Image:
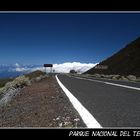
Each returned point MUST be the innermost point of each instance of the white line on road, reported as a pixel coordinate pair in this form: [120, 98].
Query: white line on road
[121, 85]
[109, 83]
[86, 116]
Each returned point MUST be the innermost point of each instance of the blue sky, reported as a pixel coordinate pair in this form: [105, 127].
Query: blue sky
[37, 38]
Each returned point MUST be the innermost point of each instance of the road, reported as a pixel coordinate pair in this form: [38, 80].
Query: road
[112, 103]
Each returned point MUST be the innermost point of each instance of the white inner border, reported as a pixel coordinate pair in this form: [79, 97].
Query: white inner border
[70, 12]
[58, 13]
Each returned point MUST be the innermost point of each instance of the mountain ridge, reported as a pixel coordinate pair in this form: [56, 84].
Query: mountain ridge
[124, 62]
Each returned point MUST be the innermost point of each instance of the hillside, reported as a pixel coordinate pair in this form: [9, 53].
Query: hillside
[36, 100]
[125, 62]
[42, 104]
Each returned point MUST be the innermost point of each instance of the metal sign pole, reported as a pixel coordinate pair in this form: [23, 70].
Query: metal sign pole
[48, 65]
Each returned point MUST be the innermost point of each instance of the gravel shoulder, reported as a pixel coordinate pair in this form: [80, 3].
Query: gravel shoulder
[42, 104]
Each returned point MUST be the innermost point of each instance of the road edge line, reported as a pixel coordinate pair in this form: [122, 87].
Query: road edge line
[119, 85]
[86, 116]
[109, 83]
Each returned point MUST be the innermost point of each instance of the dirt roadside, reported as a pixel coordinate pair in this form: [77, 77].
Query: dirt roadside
[42, 104]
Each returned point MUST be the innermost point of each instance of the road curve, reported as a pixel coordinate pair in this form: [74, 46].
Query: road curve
[110, 104]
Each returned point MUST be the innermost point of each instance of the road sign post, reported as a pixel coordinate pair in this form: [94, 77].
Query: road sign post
[48, 65]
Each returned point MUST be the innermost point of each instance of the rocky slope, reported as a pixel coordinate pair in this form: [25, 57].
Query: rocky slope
[41, 104]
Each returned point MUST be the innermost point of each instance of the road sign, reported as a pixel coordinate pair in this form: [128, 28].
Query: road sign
[48, 65]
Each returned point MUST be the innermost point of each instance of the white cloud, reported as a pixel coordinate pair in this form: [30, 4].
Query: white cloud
[38, 68]
[21, 69]
[17, 65]
[77, 66]
[62, 68]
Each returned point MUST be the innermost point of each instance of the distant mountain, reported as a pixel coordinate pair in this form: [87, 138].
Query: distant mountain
[13, 70]
[125, 62]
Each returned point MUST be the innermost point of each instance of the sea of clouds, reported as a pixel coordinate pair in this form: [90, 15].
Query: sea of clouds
[18, 69]
[60, 68]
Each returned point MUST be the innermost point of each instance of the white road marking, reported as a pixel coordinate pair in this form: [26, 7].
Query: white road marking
[121, 85]
[89, 79]
[86, 116]
[109, 83]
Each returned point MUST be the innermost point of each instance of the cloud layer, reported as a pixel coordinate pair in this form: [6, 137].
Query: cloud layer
[60, 68]
[77, 66]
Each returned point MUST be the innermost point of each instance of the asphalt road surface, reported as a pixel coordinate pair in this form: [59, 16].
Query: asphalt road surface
[112, 103]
